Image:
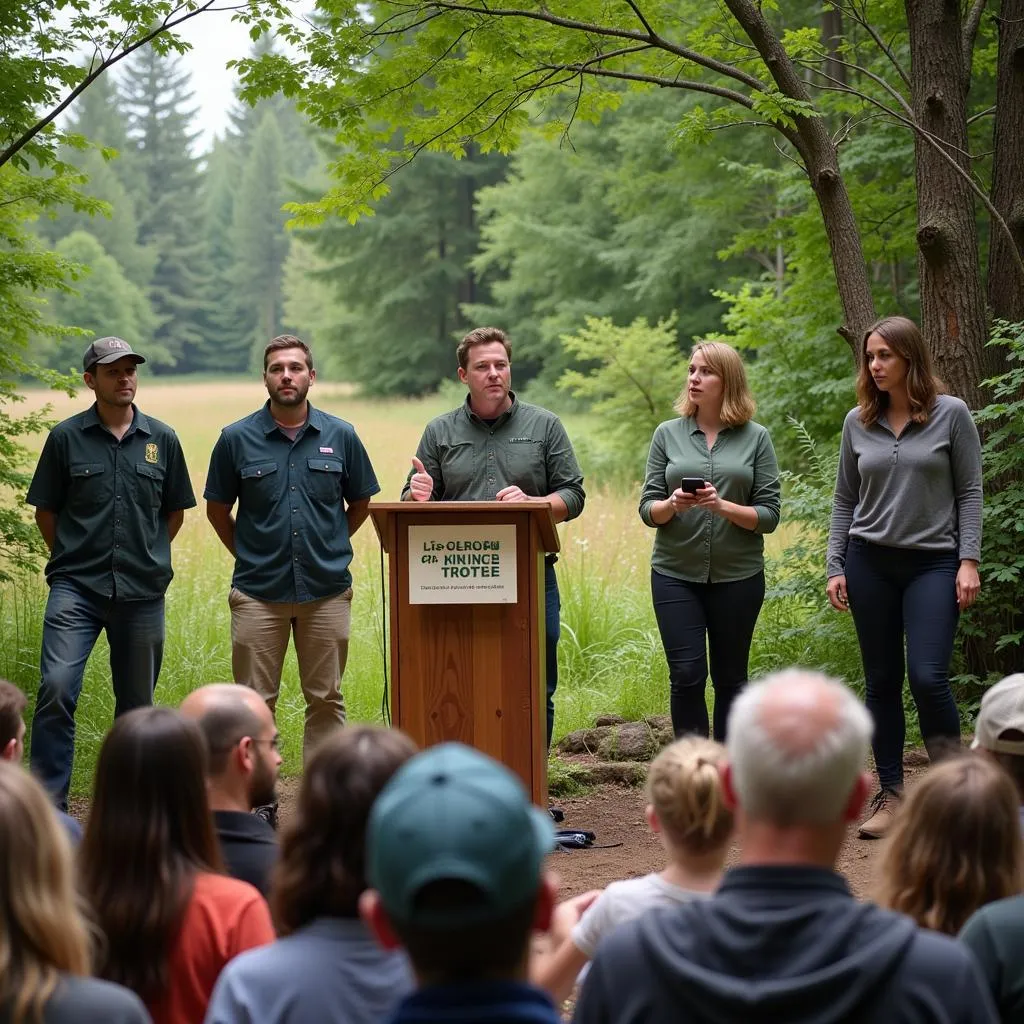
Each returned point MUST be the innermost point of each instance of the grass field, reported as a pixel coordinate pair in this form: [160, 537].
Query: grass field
[610, 655]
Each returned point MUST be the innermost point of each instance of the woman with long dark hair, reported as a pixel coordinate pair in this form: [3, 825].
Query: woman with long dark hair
[326, 967]
[712, 492]
[44, 938]
[150, 869]
[904, 544]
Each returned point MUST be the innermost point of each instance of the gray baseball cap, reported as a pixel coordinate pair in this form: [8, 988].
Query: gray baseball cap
[1002, 709]
[108, 350]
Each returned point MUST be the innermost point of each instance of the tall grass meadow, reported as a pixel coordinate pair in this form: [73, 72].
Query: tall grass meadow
[610, 656]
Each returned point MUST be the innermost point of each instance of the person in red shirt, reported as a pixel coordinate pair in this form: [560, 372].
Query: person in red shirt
[152, 870]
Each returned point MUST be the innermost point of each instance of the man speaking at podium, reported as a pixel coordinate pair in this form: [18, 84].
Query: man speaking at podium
[495, 448]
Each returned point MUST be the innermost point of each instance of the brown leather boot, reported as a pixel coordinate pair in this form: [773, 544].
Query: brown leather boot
[884, 808]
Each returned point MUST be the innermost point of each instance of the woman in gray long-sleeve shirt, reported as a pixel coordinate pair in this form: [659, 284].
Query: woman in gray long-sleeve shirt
[712, 492]
[904, 544]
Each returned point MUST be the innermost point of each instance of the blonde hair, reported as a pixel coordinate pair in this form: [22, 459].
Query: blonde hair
[738, 405]
[955, 846]
[685, 789]
[42, 931]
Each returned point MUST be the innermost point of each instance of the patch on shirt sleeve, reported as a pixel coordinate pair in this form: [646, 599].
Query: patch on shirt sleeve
[152, 453]
[520, 440]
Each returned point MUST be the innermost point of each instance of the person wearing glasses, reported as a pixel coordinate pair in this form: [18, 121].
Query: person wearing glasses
[241, 775]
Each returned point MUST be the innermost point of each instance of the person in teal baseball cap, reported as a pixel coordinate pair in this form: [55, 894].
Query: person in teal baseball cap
[455, 857]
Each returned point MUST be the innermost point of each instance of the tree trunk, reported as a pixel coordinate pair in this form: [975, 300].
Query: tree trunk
[832, 37]
[821, 161]
[1005, 287]
[955, 322]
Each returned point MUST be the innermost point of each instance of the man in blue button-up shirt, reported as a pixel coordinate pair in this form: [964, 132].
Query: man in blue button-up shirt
[303, 483]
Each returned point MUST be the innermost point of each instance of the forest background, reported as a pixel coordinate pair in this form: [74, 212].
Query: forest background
[607, 182]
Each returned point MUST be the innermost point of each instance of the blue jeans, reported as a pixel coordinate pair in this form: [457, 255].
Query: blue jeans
[897, 594]
[693, 619]
[552, 629]
[71, 626]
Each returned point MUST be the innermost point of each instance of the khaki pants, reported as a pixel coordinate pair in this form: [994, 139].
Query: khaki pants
[259, 639]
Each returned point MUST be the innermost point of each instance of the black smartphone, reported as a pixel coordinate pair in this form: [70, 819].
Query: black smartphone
[691, 484]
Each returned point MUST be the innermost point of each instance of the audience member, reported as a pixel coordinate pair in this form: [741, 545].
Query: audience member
[241, 774]
[999, 730]
[327, 967]
[150, 869]
[12, 741]
[783, 939]
[995, 935]
[956, 845]
[687, 810]
[44, 940]
[455, 855]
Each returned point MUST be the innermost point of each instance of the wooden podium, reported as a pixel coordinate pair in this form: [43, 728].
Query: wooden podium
[462, 670]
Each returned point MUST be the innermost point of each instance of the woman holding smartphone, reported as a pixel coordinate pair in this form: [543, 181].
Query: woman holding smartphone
[904, 544]
[711, 491]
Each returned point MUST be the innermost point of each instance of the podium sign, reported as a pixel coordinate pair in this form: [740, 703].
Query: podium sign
[462, 564]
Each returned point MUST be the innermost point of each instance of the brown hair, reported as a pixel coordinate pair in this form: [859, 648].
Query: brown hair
[283, 341]
[149, 834]
[956, 845]
[42, 931]
[322, 868]
[481, 336]
[738, 405]
[903, 336]
[12, 704]
[685, 789]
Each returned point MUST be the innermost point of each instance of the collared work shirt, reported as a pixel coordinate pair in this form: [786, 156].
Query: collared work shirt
[291, 531]
[697, 545]
[526, 446]
[112, 499]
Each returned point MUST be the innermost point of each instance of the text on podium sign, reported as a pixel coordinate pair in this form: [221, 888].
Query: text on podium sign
[462, 565]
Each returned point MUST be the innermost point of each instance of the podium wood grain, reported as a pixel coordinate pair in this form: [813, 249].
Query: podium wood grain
[472, 672]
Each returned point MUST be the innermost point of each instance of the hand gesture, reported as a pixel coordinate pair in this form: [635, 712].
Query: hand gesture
[707, 497]
[512, 493]
[681, 501]
[421, 483]
[837, 594]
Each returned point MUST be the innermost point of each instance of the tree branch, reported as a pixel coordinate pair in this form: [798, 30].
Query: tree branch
[643, 20]
[861, 18]
[971, 25]
[166, 25]
[710, 63]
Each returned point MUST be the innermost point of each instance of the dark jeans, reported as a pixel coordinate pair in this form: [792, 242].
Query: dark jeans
[552, 629]
[896, 593]
[71, 626]
[693, 617]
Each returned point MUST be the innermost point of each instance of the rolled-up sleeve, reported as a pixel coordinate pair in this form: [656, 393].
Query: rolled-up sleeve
[766, 494]
[655, 488]
[564, 475]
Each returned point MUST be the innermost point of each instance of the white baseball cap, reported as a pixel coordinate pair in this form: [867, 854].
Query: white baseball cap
[1002, 708]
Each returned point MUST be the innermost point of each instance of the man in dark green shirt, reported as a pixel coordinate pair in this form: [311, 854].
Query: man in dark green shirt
[495, 448]
[110, 492]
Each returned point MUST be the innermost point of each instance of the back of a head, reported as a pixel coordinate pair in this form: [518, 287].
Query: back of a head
[685, 788]
[12, 707]
[149, 832]
[455, 851]
[225, 713]
[42, 932]
[797, 743]
[322, 868]
[956, 845]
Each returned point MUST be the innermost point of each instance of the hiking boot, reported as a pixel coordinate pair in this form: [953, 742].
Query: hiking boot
[884, 807]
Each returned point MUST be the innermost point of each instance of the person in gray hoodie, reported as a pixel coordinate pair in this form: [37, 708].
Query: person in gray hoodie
[784, 939]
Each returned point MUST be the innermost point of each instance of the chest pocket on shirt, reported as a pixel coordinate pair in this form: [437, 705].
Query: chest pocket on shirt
[149, 484]
[457, 462]
[88, 488]
[258, 488]
[524, 462]
[325, 476]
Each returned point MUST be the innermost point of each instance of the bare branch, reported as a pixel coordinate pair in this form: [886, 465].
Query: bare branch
[971, 25]
[987, 112]
[859, 15]
[643, 20]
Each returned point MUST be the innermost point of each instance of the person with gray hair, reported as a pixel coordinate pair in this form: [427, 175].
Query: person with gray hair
[783, 938]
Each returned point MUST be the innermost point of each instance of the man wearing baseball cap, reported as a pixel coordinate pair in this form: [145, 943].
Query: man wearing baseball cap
[455, 859]
[999, 730]
[110, 491]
